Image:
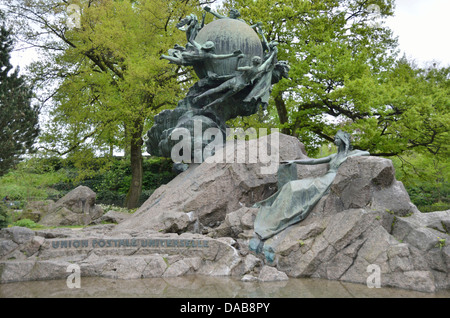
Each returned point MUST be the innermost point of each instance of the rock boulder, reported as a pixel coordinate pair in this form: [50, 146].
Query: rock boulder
[204, 194]
[346, 245]
[364, 230]
[76, 208]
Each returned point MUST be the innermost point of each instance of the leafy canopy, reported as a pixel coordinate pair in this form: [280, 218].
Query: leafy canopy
[18, 118]
[102, 57]
[346, 74]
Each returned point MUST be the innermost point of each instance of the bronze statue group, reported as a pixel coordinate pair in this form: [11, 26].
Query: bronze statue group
[259, 73]
[295, 197]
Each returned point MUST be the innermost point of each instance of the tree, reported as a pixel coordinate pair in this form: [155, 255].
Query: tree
[18, 118]
[110, 80]
[426, 178]
[345, 74]
[327, 44]
[411, 112]
[3, 216]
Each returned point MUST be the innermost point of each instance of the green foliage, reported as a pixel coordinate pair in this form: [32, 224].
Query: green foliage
[18, 119]
[110, 77]
[30, 182]
[412, 113]
[27, 223]
[441, 243]
[52, 178]
[328, 44]
[113, 180]
[426, 179]
[345, 74]
[4, 217]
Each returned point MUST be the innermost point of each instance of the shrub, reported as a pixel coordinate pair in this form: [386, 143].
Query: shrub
[26, 223]
[22, 185]
[38, 179]
[4, 217]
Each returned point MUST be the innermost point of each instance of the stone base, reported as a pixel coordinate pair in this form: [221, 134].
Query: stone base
[361, 245]
[365, 230]
[28, 255]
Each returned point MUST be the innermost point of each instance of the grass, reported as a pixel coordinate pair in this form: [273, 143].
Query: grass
[20, 185]
[28, 223]
[441, 243]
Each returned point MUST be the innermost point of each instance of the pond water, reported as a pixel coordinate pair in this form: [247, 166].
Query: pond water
[204, 287]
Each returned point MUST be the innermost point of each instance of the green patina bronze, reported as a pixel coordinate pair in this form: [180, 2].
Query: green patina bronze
[236, 69]
[228, 35]
[295, 197]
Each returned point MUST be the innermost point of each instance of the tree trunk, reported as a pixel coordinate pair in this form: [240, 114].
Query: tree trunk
[282, 112]
[135, 190]
[126, 146]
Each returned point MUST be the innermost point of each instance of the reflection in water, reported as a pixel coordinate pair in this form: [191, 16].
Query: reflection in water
[204, 287]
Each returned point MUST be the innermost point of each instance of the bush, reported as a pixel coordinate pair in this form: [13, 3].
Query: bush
[111, 184]
[429, 196]
[51, 178]
[426, 179]
[26, 223]
[439, 206]
[21, 184]
[109, 197]
[4, 217]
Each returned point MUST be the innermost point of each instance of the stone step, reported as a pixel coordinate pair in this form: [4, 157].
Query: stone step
[162, 255]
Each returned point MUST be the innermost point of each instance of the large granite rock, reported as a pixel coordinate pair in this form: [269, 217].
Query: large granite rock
[364, 223]
[211, 196]
[365, 219]
[76, 208]
[366, 182]
[203, 195]
[343, 246]
[34, 210]
[99, 255]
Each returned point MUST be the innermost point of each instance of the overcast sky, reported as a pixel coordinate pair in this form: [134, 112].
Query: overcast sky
[422, 27]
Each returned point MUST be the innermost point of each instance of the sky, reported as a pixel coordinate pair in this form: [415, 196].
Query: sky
[422, 27]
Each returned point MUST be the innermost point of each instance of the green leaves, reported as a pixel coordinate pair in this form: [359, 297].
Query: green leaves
[108, 76]
[109, 79]
[345, 74]
[18, 118]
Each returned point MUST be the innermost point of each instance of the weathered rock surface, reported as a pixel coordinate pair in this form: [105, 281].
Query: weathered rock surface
[76, 208]
[34, 210]
[365, 223]
[127, 257]
[365, 182]
[343, 246]
[204, 194]
[112, 217]
[270, 274]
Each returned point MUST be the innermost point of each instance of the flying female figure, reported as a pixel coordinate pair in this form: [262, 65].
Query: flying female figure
[296, 198]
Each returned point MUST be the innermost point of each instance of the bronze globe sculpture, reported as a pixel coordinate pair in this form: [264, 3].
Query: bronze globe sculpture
[228, 35]
[236, 67]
